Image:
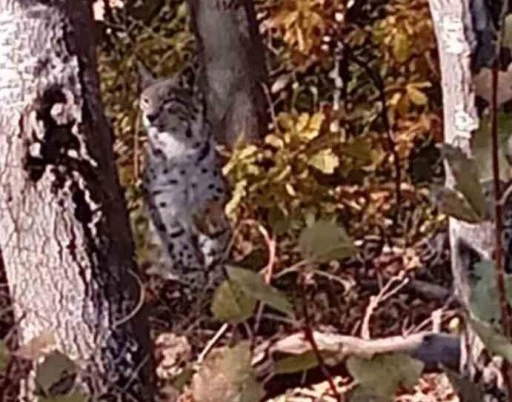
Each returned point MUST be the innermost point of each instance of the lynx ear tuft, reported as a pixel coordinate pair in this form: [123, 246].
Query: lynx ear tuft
[145, 77]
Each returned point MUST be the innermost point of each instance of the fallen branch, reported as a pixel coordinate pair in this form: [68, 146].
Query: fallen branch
[433, 349]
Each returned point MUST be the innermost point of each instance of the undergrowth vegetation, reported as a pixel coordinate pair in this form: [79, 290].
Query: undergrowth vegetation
[335, 203]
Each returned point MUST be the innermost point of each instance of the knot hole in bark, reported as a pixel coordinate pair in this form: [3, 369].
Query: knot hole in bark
[48, 131]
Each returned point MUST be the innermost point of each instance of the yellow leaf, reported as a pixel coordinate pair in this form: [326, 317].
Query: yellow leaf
[290, 190]
[308, 127]
[325, 161]
[315, 123]
[238, 194]
[302, 122]
[416, 96]
[401, 47]
[274, 140]
[290, 19]
[285, 120]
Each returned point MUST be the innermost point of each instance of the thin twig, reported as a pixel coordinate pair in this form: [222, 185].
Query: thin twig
[308, 334]
[385, 293]
[211, 343]
[268, 270]
[379, 84]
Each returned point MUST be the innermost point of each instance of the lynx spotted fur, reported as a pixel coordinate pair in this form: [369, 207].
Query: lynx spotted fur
[184, 190]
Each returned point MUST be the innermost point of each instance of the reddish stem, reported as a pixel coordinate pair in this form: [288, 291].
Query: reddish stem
[308, 335]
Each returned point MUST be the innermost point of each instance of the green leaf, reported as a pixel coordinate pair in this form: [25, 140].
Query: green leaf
[253, 285]
[55, 370]
[416, 96]
[493, 340]
[484, 300]
[325, 161]
[4, 356]
[385, 373]
[466, 389]
[73, 397]
[231, 304]
[467, 180]
[292, 364]
[361, 393]
[360, 149]
[507, 32]
[227, 375]
[452, 203]
[481, 146]
[325, 241]
[401, 47]
[183, 378]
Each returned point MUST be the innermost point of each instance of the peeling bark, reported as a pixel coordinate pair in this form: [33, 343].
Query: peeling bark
[64, 232]
[232, 58]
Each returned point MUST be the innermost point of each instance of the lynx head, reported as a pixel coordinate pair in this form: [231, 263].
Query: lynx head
[166, 104]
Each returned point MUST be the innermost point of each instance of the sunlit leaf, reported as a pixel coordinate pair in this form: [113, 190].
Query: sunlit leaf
[325, 161]
[416, 96]
[401, 47]
[274, 140]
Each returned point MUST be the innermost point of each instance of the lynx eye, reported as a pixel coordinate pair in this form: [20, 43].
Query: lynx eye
[145, 101]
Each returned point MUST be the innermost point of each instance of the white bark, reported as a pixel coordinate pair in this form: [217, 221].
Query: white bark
[456, 44]
[64, 232]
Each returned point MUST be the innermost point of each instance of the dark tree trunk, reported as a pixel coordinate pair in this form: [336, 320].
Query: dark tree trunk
[461, 52]
[232, 58]
[64, 232]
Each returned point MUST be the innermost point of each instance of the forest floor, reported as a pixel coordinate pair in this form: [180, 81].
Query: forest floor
[390, 292]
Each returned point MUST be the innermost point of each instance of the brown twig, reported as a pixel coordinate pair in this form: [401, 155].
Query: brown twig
[385, 293]
[268, 270]
[310, 338]
[379, 84]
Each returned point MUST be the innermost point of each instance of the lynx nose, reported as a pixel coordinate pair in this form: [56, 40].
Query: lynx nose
[151, 117]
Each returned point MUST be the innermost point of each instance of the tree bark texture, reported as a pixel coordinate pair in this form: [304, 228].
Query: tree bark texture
[232, 60]
[64, 232]
[468, 242]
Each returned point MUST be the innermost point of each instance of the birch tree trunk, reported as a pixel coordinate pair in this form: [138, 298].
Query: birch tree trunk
[459, 50]
[64, 232]
[232, 58]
